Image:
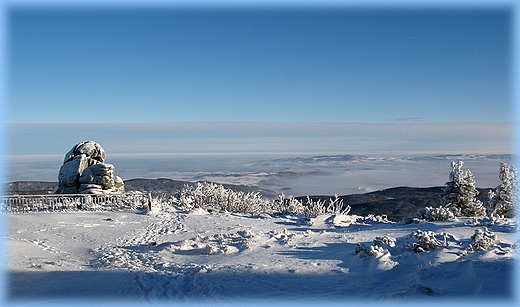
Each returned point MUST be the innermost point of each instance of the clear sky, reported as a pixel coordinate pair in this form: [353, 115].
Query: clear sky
[289, 78]
[240, 64]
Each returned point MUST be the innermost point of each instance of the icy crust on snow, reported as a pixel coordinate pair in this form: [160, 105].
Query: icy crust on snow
[169, 253]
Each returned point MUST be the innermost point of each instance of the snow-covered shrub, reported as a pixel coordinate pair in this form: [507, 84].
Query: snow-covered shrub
[432, 214]
[459, 194]
[314, 208]
[410, 220]
[385, 241]
[251, 202]
[311, 208]
[160, 202]
[378, 249]
[427, 240]
[216, 196]
[289, 205]
[502, 201]
[319, 207]
[373, 219]
[486, 221]
[336, 206]
[375, 251]
[482, 240]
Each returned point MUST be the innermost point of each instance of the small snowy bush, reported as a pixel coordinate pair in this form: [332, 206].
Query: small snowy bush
[336, 206]
[289, 205]
[378, 249]
[371, 251]
[311, 208]
[314, 208]
[482, 240]
[427, 240]
[385, 241]
[431, 214]
[486, 221]
[373, 219]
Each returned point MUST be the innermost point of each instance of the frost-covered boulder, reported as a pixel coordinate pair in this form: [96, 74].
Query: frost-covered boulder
[70, 171]
[100, 174]
[119, 185]
[84, 171]
[90, 149]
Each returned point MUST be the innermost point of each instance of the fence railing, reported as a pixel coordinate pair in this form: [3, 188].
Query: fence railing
[73, 202]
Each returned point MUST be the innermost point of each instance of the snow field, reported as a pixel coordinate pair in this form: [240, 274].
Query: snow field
[172, 254]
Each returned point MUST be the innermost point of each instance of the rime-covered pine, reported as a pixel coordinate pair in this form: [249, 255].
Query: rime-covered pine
[459, 194]
[502, 200]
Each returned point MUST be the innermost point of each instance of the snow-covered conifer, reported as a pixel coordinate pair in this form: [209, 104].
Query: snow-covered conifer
[459, 194]
[502, 200]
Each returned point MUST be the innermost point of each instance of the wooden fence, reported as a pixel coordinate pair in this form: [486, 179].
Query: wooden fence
[73, 202]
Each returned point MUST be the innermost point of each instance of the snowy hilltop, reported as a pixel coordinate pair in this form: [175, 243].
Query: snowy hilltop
[213, 244]
[190, 255]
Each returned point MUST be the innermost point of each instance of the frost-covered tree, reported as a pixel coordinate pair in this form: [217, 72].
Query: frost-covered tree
[502, 201]
[459, 194]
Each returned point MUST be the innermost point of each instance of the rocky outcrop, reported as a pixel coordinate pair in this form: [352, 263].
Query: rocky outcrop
[84, 171]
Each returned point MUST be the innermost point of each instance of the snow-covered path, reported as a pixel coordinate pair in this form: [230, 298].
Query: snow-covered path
[170, 254]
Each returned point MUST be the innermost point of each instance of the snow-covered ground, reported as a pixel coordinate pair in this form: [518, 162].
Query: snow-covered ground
[141, 258]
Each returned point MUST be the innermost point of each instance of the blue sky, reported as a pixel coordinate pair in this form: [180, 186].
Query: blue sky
[158, 77]
[266, 64]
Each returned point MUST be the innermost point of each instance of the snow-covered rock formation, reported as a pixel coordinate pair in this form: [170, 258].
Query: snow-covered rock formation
[84, 171]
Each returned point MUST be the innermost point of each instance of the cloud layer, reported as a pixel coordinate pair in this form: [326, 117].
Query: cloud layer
[251, 137]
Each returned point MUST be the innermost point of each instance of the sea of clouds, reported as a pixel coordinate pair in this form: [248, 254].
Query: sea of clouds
[291, 174]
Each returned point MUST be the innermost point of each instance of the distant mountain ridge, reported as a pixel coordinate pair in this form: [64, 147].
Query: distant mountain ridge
[321, 158]
[349, 158]
[396, 203]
